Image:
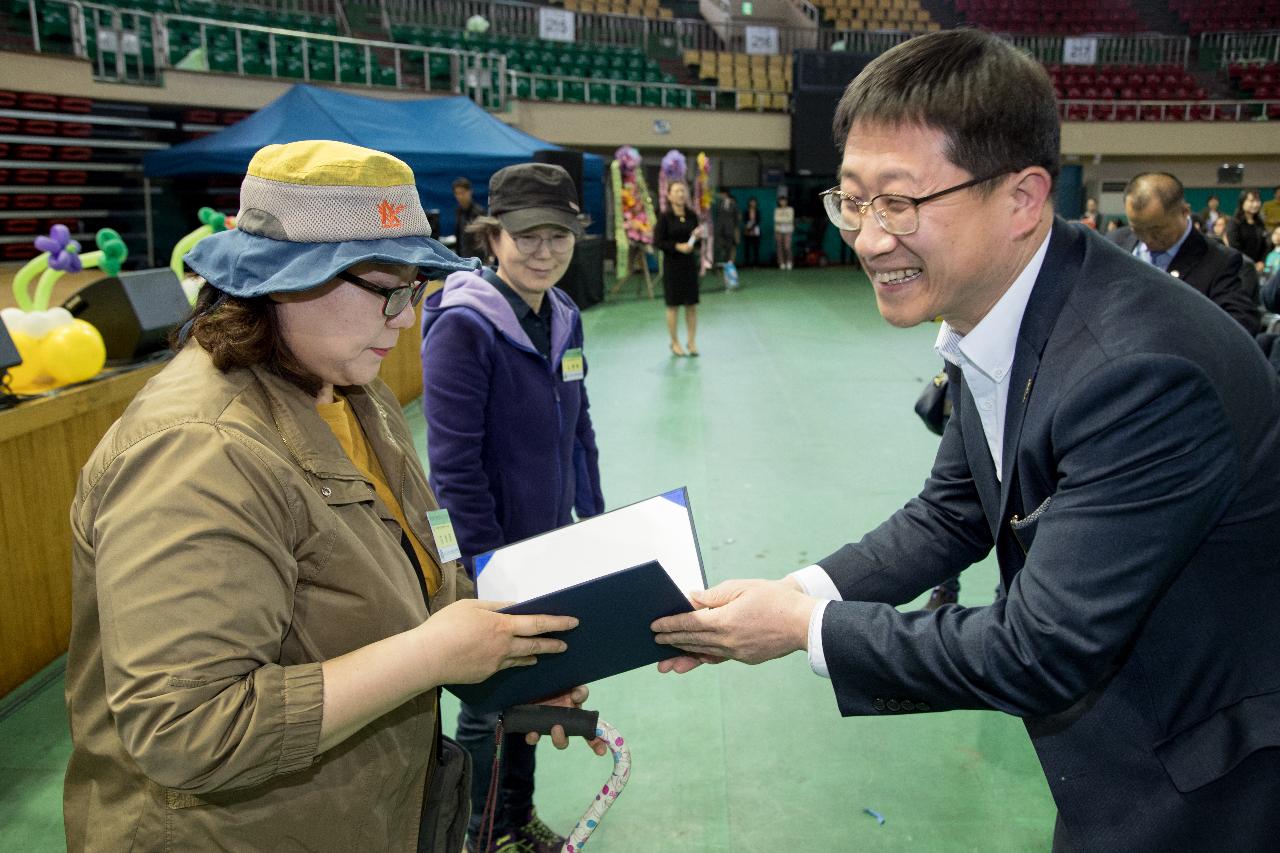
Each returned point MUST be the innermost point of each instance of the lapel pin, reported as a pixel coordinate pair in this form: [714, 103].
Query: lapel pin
[1026, 392]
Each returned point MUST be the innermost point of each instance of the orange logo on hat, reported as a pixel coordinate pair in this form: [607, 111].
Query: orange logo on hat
[390, 214]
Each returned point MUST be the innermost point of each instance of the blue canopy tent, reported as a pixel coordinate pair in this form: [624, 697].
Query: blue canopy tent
[440, 138]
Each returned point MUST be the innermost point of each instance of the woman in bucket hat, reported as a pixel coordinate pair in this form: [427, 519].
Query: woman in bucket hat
[262, 614]
[509, 438]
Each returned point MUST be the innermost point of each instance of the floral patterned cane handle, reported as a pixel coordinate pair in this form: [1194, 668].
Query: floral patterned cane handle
[621, 772]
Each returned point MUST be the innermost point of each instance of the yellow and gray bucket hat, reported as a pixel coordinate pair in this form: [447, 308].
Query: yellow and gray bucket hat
[311, 209]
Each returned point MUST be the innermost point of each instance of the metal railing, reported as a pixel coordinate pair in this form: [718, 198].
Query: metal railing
[469, 72]
[520, 20]
[863, 41]
[552, 87]
[1233, 47]
[1137, 49]
[1079, 110]
[119, 33]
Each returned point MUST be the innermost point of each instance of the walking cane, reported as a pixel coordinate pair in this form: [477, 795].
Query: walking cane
[576, 722]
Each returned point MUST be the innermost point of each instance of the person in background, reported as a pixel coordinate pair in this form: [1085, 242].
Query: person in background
[261, 615]
[1218, 232]
[784, 227]
[1272, 263]
[1246, 232]
[1271, 210]
[1160, 233]
[468, 211]
[1091, 216]
[1114, 223]
[1211, 214]
[727, 222]
[751, 233]
[675, 235]
[511, 447]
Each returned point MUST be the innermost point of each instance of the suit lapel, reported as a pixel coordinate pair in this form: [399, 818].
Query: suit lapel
[1050, 292]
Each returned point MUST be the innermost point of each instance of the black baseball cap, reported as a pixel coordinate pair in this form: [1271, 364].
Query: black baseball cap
[530, 195]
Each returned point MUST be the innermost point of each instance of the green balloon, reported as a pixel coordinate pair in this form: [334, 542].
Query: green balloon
[114, 251]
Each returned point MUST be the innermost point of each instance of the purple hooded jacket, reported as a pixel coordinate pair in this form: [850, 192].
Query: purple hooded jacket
[510, 446]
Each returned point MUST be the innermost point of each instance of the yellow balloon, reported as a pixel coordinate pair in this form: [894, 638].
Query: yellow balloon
[30, 376]
[73, 352]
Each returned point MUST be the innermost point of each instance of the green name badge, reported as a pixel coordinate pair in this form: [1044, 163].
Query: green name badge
[442, 532]
[571, 365]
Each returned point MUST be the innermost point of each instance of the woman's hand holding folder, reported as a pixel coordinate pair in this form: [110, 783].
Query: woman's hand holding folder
[468, 641]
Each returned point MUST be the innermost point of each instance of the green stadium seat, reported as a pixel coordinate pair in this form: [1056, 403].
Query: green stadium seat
[222, 60]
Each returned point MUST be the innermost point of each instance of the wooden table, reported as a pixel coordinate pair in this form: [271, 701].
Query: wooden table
[43, 445]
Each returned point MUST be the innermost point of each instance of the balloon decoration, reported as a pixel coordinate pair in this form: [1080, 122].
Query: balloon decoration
[632, 208]
[674, 168]
[211, 222]
[56, 348]
[703, 199]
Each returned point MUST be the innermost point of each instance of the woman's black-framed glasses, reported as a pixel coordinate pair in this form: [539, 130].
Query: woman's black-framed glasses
[398, 298]
[897, 214]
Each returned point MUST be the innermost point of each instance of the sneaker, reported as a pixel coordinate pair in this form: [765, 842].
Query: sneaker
[536, 837]
[502, 844]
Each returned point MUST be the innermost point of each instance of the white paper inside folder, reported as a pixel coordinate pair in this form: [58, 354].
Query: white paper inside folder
[659, 528]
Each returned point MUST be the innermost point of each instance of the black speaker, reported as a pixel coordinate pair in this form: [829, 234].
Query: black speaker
[8, 352]
[821, 78]
[584, 279]
[134, 312]
[571, 161]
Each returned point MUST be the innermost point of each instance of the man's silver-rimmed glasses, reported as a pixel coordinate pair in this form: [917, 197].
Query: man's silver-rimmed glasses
[897, 214]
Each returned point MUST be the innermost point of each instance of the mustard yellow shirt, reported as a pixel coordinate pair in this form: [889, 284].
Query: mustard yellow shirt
[346, 428]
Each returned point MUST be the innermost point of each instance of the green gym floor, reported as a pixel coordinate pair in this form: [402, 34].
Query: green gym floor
[794, 433]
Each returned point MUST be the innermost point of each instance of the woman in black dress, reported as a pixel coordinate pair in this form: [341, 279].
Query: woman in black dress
[1245, 231]
[676, 235]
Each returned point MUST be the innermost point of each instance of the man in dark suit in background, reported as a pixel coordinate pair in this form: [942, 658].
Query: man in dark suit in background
[1160, 233]
[468, 211]
[1115, 441]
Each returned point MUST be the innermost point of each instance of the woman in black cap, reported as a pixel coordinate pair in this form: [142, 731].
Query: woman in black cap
[509, 439]
[676, 235]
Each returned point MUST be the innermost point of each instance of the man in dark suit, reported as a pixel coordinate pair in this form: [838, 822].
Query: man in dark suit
[1115, 441]
[1160, 233]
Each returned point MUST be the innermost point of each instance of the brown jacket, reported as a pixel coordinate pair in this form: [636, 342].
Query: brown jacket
[224, 547]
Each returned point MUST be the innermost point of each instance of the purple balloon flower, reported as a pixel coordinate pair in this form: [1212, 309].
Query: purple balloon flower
[64, 253]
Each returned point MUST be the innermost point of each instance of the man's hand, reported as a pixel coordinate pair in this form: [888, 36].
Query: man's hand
[570, 699]
[746, 620]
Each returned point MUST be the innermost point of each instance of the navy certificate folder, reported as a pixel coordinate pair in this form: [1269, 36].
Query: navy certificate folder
[614, 612]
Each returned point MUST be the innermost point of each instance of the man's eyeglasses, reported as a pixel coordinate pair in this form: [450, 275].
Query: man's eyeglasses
[897, 214]
[529, 244]
[397, 298]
